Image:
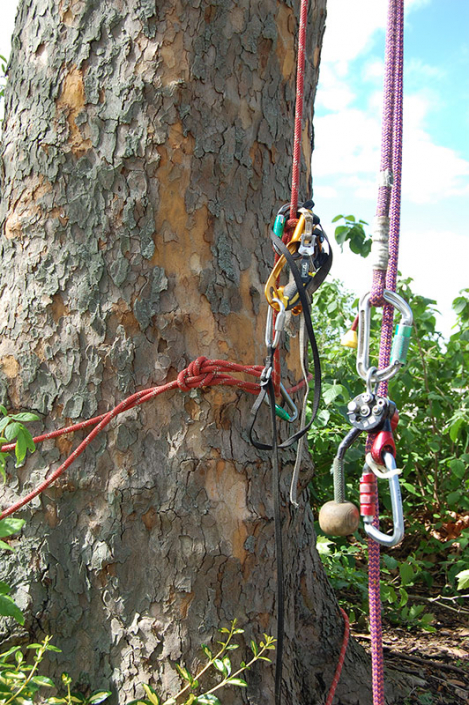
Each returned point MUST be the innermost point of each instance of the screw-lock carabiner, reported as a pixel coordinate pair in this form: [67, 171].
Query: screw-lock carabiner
[402, 334]
[396, 506]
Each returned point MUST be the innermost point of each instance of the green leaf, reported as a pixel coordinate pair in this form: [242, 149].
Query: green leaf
[208, 699]
[25, 416]
[237, 681]
[8, 608]
[207, 651]
[51, 647]
[454, 497]
[459, 304]
[458, 468]
[183, 672]
[12, 430]
[227, 664]
[7, 654]
[2, 408]
[99, 696]
[404, 597]
[407, 574]
[4, 422]
[5, 546]
[220, 666]
[43, 681]
[10, 526]
[57, 701]
[463, 580]
[20, 448]
[390, 562]
[455, 428]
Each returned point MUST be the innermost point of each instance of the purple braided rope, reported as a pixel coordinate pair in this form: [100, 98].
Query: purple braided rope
[384, 192]
[387, 135]
[389, 203]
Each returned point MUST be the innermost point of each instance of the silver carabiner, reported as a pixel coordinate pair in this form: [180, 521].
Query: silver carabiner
[281, 411]
[364, 326]
[272, 340]
[396, 505]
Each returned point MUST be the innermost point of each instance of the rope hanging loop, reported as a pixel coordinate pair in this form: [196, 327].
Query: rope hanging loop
[401, 343]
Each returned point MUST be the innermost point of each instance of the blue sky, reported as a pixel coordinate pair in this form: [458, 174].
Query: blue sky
[434, 227]
[435, 231]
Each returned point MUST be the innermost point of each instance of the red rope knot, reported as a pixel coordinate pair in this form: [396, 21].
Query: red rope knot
[182, 380]
[198, 373]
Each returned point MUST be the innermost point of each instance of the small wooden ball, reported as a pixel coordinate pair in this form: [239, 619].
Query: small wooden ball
[339, 518]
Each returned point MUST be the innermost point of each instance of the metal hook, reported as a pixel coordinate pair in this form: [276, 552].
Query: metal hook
[364, 326]
[396, 505]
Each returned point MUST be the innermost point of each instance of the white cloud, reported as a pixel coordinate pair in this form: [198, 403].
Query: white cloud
[416, 70]
[348, 145]
[346, 142]
[350, 27]
[321, 191]
[334, 93]
[374, 71]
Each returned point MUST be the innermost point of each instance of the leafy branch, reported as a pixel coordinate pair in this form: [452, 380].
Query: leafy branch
[221, 664]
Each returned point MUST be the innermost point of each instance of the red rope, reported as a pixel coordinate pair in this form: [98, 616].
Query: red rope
[202, 372]
[300, 76]
[340, 663]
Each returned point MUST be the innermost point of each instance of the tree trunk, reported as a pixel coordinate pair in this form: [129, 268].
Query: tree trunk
[145, 151]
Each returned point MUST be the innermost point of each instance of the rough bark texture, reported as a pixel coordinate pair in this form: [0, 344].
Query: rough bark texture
[145, 150]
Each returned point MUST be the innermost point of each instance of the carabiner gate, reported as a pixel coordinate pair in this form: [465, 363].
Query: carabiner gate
[396, 505]
[402, 337]
[272, 340]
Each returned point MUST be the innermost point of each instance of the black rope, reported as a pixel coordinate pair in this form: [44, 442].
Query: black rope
[278, 546]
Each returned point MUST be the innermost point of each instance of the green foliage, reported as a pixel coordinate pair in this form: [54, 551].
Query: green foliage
[353, 232]
[12, 429]
[21, 683]
[218, 664]
[432, 396]
[3, 70]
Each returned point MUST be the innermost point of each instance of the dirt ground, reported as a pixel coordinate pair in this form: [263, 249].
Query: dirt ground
[437, 662]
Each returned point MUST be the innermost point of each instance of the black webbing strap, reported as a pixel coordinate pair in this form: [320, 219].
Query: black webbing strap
[281, 249]
[268, 392]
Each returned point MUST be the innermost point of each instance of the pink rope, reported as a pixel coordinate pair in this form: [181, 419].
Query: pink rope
[389, 203]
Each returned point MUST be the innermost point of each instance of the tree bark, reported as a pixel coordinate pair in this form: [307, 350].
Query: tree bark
[145, 150]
